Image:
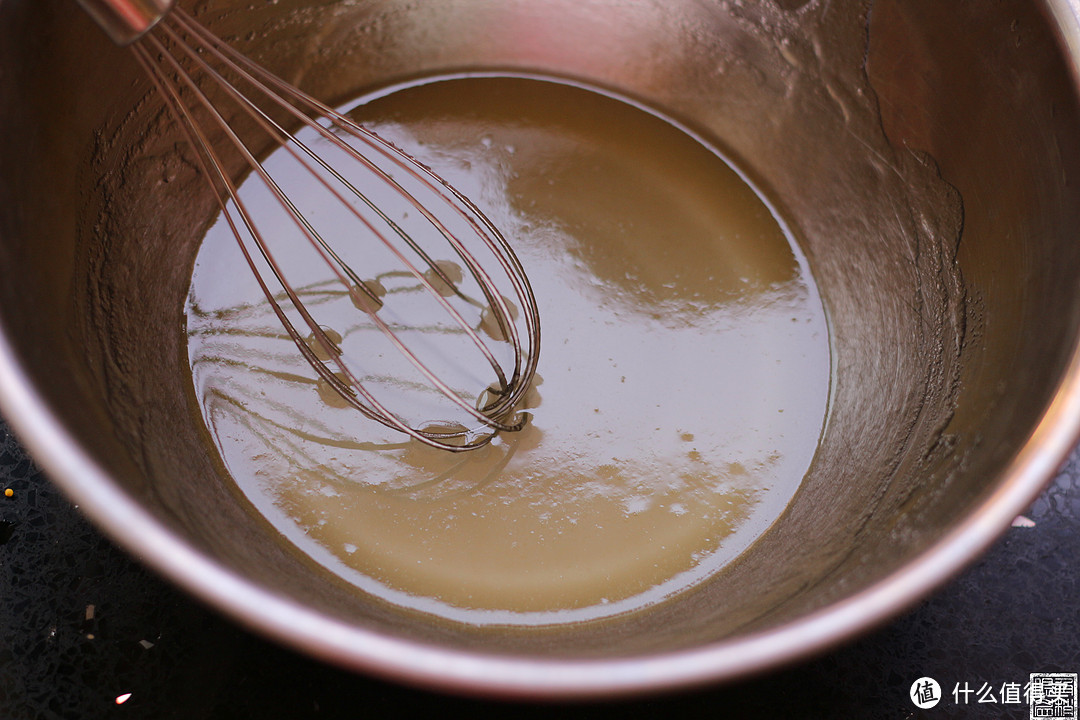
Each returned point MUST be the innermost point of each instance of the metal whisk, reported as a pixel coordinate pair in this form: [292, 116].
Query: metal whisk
[232, 112]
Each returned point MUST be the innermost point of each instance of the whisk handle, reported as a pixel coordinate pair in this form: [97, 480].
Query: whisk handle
[126, 21]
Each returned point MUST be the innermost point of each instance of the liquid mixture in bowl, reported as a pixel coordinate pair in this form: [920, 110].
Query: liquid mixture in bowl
[684, 371]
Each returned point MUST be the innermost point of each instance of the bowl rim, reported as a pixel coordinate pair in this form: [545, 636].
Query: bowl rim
[436, 667]
[86, 483]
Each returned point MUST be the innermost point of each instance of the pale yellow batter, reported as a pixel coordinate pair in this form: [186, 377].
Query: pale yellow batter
[684, 368]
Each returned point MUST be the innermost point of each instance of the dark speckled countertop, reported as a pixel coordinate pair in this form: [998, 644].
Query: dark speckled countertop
[82, 624]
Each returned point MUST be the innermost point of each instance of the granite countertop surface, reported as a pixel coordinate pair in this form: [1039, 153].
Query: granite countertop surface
[87, 632]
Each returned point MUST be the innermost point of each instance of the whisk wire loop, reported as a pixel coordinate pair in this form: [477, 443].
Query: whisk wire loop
[177, 48]
[257, 76]
[465, 208]
[322, 246]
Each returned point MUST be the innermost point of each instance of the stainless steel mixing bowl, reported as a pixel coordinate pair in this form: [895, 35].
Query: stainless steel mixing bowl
[925, 152]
